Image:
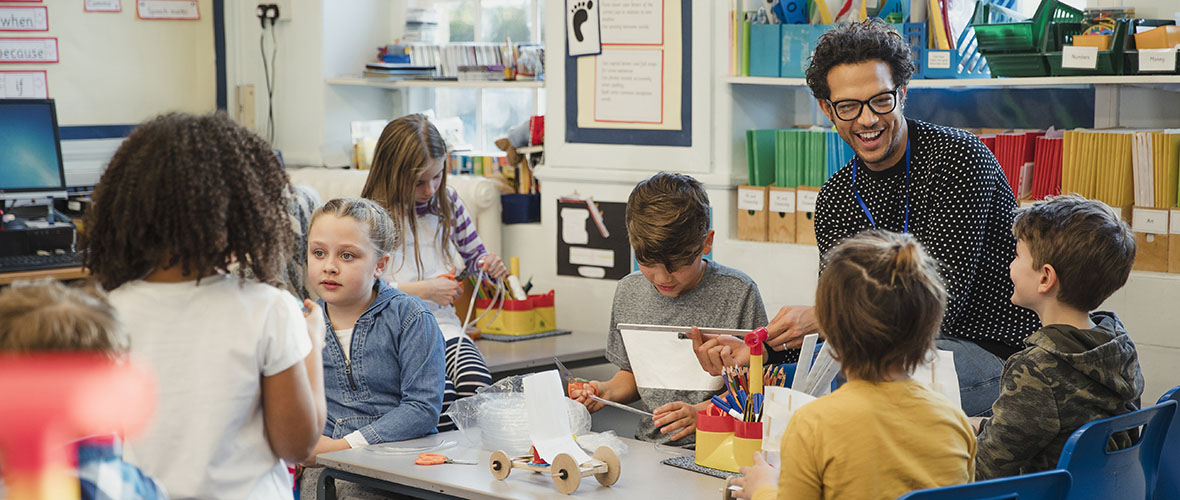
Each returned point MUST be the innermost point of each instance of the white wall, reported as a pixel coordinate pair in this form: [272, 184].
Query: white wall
[116, 69]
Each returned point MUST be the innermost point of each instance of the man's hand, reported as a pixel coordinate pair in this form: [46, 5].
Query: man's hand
[788, 327]
[678, 417]
[716, 352]
[754, 476]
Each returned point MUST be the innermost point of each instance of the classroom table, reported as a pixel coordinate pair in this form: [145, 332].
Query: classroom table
[64, 273]
[575, 350]
[641, 475]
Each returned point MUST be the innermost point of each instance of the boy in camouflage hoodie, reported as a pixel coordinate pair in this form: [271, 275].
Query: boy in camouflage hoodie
[1071, 254]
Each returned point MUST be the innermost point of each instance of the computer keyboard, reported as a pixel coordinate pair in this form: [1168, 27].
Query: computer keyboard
[13, 263]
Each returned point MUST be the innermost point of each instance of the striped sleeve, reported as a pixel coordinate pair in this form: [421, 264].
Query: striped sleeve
[464, 236]
[466, 373]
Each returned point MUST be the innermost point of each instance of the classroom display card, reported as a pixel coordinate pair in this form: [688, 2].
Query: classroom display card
[183, 10]
[592, 244]
[583, 36]
[1079, 57]
[24, 18]
[629, 86]
[28, 50]
[1157, 60]
[104, 6]
[23, 85]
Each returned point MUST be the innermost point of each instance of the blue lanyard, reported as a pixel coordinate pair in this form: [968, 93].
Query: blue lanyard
[864, 208]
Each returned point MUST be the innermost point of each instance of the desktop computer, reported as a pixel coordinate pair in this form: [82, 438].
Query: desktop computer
[33, 235]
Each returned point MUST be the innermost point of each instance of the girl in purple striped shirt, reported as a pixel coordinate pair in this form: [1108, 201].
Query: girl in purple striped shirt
[438, 238]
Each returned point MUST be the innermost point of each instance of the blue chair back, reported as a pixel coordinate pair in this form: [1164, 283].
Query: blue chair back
[1130, 473]
[1168, 486]
[1047, 485]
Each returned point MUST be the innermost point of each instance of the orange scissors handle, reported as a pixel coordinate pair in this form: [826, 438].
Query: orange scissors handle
[436, 459]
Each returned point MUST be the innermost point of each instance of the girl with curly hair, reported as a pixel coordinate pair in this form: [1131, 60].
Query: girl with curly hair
[184, 200]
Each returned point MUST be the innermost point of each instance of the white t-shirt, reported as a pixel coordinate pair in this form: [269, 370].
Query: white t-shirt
[345, 339]
[210, 346]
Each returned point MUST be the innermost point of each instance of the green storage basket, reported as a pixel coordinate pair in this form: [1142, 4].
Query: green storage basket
[1110, 62]
[1017, 65]
[998, 29]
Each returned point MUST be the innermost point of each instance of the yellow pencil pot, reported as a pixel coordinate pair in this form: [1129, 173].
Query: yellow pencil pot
[535, 314]
[747, 440]
[715, 440]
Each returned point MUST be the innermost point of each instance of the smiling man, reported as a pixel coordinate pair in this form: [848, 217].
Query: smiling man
[938, 183]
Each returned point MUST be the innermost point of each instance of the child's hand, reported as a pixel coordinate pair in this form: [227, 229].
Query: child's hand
[788, 327]
[754, 476]
[581, 393]
[441, 291]
[715, 352]
[491, 264]
[677, 415]
[316, 330]
[326, 445]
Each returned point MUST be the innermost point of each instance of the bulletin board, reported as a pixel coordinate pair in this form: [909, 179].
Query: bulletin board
[638, 90]
[115, 68]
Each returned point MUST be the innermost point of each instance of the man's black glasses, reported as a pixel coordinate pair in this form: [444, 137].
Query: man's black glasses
[850, 109]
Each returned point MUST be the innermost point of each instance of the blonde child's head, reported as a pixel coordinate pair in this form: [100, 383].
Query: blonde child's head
[409, 169]
[190, 192]
[46, 315]
[348, 247]
[668, 228]
[1085, 246]
[879, 303]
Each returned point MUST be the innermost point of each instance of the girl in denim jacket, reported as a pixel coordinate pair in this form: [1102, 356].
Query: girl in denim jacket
[383, 352]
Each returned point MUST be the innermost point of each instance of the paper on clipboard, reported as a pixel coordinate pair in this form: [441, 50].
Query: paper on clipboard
[940, 376]
[662, 360]
[549, 424]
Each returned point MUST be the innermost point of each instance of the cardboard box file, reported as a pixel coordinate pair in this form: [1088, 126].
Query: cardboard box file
[751, 223]
[1151, 239]
[805, 197]
[1174, 241]
[780, 226]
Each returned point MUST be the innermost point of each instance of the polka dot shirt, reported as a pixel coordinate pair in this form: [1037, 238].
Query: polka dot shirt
[961, 210]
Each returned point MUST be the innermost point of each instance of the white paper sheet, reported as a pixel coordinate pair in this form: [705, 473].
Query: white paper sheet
[629, 86]
[548, 418]
[804, 364]
[780, 405]
[660, 360]
[940, 376]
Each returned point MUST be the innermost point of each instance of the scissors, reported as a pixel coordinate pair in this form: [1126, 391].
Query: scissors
[573, 383]
[436, 459]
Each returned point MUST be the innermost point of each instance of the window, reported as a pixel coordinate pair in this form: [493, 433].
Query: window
[487, 114]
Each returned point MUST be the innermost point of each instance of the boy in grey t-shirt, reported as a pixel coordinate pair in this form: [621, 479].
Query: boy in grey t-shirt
[668, 226]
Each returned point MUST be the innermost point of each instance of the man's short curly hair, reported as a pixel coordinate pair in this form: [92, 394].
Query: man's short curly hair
[199, 192]
[855, 43]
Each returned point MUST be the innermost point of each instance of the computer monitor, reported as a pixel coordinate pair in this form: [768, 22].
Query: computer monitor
[30, 150]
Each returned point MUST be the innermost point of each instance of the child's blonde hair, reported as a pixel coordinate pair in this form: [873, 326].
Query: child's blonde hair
[880, 303]
[406, 148]
[382, 233]
[46, 315]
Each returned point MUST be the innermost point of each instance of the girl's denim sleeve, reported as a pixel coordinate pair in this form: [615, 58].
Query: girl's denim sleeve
[420, 354]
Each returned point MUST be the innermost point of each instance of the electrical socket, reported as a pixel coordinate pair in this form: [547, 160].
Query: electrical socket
[285, 7]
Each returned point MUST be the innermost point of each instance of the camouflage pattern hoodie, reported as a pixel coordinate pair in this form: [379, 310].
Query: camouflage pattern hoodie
[1065, 378]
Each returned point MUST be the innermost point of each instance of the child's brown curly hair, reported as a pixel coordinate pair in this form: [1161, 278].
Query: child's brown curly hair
[195, 191]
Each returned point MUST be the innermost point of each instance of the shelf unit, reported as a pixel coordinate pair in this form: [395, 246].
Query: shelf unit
[396, 84]
[1050, 81]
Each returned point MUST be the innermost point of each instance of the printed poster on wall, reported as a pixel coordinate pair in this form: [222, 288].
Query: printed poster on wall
[638, 90]
[592, 245]
[179, 10]
[23, 85]
[28, 50]
[103, 6]
[24, 18]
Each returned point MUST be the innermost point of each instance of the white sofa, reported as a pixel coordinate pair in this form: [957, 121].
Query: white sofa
[479, 195]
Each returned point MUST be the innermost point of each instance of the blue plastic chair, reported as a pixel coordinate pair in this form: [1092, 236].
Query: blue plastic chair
[1168, 486]
[1047, 485]
[1130, 473]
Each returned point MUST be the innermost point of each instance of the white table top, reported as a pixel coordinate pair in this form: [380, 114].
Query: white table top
[504, 357]
[642, 475]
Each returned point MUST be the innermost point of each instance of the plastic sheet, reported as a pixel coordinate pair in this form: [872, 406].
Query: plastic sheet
[496, 418]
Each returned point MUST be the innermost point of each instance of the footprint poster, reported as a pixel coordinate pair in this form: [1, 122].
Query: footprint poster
[583, 33]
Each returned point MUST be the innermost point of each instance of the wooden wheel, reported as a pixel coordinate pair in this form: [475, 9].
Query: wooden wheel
[607, 456]
[500, 465]
[566, 473]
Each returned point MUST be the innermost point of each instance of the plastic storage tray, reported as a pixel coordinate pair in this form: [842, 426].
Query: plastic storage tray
[1110, 62]
[998, 29]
